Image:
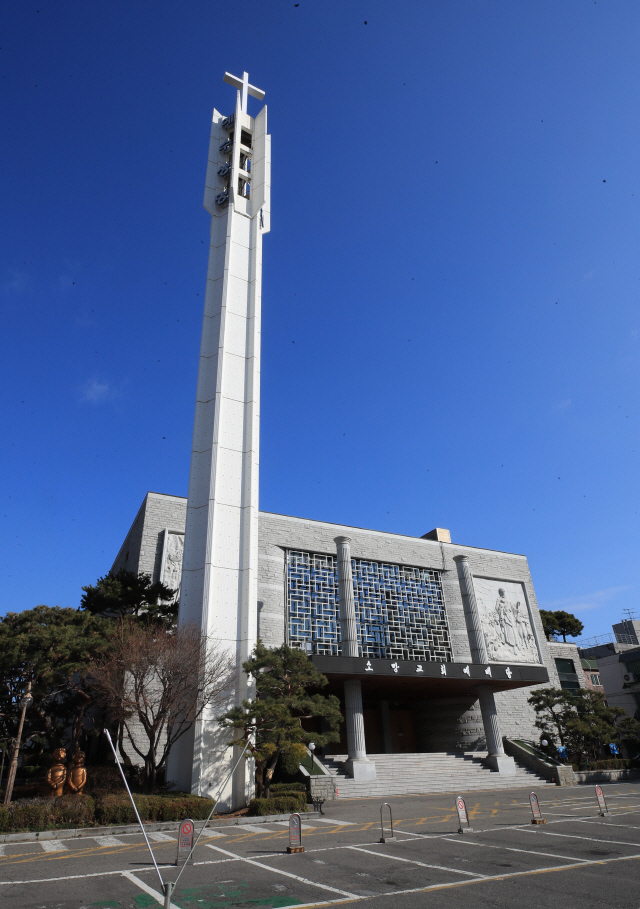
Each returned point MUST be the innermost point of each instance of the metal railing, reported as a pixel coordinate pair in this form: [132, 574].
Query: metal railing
[610, 638]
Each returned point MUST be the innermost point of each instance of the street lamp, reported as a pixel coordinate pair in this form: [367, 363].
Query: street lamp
[312, 748]
[13, 768]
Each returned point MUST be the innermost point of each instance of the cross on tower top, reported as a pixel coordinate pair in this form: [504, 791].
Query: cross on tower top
[245, 89]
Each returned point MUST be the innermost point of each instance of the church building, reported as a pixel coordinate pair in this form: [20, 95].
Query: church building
[431, 646]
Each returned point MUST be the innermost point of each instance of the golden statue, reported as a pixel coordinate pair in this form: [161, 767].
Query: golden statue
[77, 778]
[56, 774]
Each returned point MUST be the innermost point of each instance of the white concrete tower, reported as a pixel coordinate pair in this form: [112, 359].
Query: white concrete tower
[219, 573]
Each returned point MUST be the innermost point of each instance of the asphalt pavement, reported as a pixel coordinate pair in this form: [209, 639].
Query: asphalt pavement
[577, 859]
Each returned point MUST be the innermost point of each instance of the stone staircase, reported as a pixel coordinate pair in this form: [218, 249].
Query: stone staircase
[404, 774]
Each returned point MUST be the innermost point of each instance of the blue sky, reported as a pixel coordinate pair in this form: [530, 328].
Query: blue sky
[451, 284]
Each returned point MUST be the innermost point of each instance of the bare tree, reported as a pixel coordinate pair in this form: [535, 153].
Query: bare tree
[160, 680]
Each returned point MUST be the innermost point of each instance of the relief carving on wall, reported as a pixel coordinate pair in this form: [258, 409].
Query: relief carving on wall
[171, 571]
[506, 621]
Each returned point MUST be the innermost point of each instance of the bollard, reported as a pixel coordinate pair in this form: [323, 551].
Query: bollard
[463, 817]
[535, 809]
[295, 834]
[168, 890]
[602, 805]
[383, 838]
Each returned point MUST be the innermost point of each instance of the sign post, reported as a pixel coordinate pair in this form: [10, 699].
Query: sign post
[535, 809]
[463, 817]
[185, 839]
[601, 802]
[295, 834]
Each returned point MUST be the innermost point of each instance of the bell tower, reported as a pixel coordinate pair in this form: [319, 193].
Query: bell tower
[219, 572]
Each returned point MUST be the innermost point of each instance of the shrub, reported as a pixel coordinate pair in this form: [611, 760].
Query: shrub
[47, 814]
[279, 804]
[607, 764]
[279, 788]
[117, 809]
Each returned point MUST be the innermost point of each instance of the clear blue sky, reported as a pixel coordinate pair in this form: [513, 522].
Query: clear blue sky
[451, 284]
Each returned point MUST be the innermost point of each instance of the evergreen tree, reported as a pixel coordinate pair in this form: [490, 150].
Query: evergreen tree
[51, 647]
[592, 724]
[549, 624]
[128, 594]
[552, 707]
[560, 622]
[568, 624]
[287, 695]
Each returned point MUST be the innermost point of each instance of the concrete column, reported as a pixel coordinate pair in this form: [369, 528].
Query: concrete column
[354, 718]
[479, 652]
[496, 758]
[358, 764]
[348, 624]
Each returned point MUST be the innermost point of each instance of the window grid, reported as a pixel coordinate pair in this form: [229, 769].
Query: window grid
[400, 610]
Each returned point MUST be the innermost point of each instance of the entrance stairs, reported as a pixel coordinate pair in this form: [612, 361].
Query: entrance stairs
[404, 774]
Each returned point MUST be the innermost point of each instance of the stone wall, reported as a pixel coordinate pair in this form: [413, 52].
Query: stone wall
[462, 730]
[280, 532]
[142, 548]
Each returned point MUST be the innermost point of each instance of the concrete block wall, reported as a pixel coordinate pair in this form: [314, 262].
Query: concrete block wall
[567, 651]
[144, 541]
[280, 532]
[463, 729]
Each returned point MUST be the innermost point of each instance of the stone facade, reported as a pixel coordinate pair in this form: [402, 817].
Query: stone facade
[441, 724]
[142, 549]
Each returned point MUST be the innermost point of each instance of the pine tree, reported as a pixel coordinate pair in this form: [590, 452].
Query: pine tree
[287, 695]
[552, 707]
[52, 647]
[128, 594]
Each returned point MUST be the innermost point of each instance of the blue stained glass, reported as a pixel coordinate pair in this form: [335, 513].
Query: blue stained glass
[400, 610]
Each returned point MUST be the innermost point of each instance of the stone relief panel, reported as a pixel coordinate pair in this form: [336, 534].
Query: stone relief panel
[171, 569]
[506, 621]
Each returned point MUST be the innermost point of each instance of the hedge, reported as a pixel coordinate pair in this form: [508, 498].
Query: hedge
[607, 764]
[84, 811]
[278, 804]
[286, 788]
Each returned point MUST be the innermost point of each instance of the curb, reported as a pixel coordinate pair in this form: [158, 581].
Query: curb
[69, 833]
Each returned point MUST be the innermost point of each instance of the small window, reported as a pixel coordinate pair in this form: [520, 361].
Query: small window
[565, 665]
[245, 138]
[595, 679]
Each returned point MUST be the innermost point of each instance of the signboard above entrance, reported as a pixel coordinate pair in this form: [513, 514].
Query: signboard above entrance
[499, 676]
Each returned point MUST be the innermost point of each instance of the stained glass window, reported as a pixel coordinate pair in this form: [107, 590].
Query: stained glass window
[400, 610]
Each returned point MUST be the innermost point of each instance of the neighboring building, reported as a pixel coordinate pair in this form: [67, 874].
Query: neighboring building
[567, 663]
[619, 671]
[592, 675]
[627, 631]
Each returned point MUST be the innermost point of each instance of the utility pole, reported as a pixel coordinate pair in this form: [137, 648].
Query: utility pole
[26, 700]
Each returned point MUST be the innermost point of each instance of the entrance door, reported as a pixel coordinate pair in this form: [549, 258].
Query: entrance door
[402, 734]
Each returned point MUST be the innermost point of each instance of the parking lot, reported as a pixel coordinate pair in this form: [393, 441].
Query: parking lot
[577, 859]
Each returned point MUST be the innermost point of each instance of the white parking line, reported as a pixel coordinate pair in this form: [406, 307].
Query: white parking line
[571, 858]
[328, 820]
[296, 877]
[286, 824]
[53, 846]
[397, 858]
[591, 839]
[109, 841]
[147, 889]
